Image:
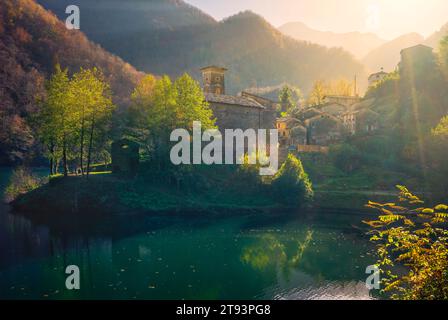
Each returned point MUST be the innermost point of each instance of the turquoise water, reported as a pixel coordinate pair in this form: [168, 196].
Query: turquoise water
[296, 256]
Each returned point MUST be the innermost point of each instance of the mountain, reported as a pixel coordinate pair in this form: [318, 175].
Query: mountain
[387, 56]
[172, 37]
[359, 44]
[153, 35]
[32, 41]
[434, 39]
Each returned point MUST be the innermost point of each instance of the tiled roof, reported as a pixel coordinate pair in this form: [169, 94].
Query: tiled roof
[233, 100]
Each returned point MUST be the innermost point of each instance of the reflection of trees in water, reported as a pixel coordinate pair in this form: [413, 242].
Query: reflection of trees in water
[273, 252]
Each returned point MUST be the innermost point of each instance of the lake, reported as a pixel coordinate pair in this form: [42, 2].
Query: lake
[298, 255]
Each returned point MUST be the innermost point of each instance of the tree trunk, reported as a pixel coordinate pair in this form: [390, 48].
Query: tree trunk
[64, 156]
[51, 159]
[89, 153]
[81, 158]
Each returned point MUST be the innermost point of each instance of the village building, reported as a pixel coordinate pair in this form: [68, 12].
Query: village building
[245, 111]
[299, 135]
[333, 108]
[271, 105]
[308, 113]
[361, 121]
[324, 130]
[416, 59]
[377, 77]
[415, 54]
[285, 127]
[346, 101]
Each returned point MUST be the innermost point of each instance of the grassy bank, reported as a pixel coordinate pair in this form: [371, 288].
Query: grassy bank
[104, 193]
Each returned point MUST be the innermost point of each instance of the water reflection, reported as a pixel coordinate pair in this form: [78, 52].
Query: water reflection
[271, 251]
[301, 256]
[183, 260]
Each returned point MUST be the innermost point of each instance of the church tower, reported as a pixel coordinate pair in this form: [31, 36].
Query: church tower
[213, 80]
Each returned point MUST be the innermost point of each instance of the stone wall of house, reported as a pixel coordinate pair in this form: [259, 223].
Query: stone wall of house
[268, 119]
[237, 117]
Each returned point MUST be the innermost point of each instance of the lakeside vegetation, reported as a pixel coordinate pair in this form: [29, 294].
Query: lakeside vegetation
[412, 247]
[74, 125]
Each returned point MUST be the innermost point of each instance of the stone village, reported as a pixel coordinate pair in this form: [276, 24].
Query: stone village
[311, 129]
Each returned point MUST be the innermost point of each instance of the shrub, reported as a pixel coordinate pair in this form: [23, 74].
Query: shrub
[21, 182]
[346, 157]
[291, 185]
[412, 248]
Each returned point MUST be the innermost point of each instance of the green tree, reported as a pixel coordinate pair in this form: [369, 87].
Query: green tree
[346, 157]
[92, 108]
[291, 184]
[191, 105]
[55, 122]
[444, 52]
[412, 247]
[285, 98]
[72, 113]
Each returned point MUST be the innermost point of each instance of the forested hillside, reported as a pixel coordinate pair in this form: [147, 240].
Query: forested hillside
[172, 37]
[32, 42]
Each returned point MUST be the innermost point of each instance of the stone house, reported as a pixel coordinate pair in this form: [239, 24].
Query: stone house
[333, 108]
[307, 113]
[245, 111]
[346, 101]
[299, 135]
[377, 77]
[286, 127]
[324, 130]
[413, 56]
[361, 121]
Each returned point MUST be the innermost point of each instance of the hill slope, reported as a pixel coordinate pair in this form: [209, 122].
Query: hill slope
[387, 56]
[359, 44]
[167, 36]
[32, 41]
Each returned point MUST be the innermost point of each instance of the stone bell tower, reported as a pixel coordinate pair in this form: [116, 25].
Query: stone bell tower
[213, 80]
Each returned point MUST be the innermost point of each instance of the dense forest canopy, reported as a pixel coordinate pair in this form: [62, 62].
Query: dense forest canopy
[32, 42]
[172, 37]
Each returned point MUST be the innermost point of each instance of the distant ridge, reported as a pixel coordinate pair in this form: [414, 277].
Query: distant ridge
[387, 56]
[359, 44]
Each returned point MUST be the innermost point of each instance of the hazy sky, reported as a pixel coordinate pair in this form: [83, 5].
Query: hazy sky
[387, 18]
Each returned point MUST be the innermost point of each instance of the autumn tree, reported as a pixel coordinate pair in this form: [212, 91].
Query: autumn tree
[341, 87]
[318, 93]
[412, 247]
[321, 88]
[442, 128]
[160, 106]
